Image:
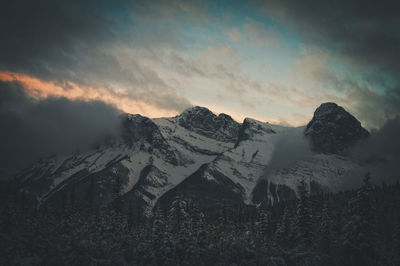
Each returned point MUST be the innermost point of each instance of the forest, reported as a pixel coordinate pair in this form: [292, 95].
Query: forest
[355, 227]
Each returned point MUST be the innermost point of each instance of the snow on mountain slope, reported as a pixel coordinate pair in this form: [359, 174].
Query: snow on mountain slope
[246, 162]
[328, 170]
[194, 150]
[173, 151]
[51, 174]
[233, 173]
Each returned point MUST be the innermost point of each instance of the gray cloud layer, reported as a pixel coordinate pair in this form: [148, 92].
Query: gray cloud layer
[380, 153]
[31, 128]
[365, 35]
[291, 148]
[366, 31]
[90, 43]
[84, 42]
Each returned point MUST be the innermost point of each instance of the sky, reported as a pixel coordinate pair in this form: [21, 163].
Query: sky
[271, 60]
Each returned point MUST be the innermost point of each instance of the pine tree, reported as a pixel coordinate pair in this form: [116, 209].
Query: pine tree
[177, 215]
[263, 224]
[396, 242]
[116, 195]
[283, 232]
[326, 230]
[90, 195]
[158, 223]
[196, 220]
[360, 232]
[224, 220]
[130, 214]
[304, 222]
[72, 199]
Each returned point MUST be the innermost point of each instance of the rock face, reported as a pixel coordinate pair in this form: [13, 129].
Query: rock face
[251, 127]
[333, 130]
[204, 122]
[205, 157]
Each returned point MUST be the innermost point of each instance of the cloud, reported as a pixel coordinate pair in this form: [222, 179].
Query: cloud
[372, 106]
[380, 153]
[254, 33]
[291, 148]
[76, 42]
[350, 48]
[372, 99]
[33, 128]
[360, 30]
[148, 104]
[158, 57]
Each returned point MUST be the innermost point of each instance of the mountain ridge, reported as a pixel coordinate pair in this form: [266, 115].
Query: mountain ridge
[154, 159]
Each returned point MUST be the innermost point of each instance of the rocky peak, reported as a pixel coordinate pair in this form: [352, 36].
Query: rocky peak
[204, 122]
[252, 127]
[137, 127]
[333, 130]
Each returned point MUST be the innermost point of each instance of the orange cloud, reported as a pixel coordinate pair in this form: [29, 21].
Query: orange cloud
[41, 89]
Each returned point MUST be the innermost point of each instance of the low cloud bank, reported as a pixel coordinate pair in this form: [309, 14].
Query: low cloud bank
[32, 128]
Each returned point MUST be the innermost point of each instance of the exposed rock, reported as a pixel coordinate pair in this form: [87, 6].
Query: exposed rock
[333, 130]
[204, 122]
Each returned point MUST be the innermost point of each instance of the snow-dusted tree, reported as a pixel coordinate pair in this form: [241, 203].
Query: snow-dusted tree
[224, 219]
[283, 230]
[177, 215]
[158, 223]
[396, 242]
[360, 235]
[325, 234]
[91, 195]
[130, 215]
[196, 220]
[304, 222]
[263, 224]
[117, 195]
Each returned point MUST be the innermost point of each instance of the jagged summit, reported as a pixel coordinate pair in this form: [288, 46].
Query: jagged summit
[333, 130]
[207, 156]
[202, 121]
[202, 112]
[251, 127]
[329, 109]
[196, 110]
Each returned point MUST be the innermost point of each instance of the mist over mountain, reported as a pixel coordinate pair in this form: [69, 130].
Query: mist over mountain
[380, 153]
[197, 153]
[35, 128]
[178, 178]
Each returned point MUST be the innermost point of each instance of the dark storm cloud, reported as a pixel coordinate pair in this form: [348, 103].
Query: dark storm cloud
[85, 42]
[31, 128]
[380, 153]
[373, 107]
[366, 31]
[38, 36]
[365, 35]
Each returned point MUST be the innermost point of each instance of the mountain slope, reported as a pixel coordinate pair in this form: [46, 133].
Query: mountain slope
[197, 153]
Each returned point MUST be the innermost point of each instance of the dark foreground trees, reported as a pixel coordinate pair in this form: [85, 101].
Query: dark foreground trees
[334, 229]
[360, 233]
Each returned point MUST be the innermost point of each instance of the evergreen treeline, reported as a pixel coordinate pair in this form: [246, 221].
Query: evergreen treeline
[358, 227]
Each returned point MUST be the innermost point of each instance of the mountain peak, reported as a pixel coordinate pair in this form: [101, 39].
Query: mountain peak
[204, 122]
[251, 127]
[329, 108]
[197, 111]
[333, 130]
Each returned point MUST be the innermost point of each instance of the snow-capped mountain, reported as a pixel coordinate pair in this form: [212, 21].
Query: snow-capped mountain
[199, 154]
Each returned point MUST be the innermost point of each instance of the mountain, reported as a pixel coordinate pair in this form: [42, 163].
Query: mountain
[333, 130]
[203, 156]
